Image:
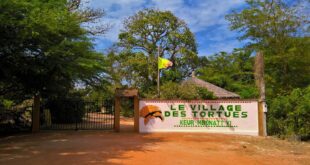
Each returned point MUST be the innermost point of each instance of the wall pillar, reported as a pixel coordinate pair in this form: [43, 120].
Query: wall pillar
[136, 114]
[36, 114]
[117, 110]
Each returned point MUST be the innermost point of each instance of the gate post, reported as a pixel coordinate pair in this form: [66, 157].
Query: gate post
[136, 113]
[126, 93]
[117, 109]
[36, 114]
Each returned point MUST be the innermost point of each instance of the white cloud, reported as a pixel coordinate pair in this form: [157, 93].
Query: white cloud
[202, 13]
[198, 14]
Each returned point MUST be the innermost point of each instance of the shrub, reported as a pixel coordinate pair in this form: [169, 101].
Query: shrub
[290, 114]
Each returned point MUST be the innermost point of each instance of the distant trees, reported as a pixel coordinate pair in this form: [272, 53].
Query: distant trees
[233, 72]
[44, 49]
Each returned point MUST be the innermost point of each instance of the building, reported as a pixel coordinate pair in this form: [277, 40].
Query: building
[219, 92]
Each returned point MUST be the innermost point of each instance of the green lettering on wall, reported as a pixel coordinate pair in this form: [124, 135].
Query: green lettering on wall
[227, 114]
[210, 114]
[235, 114]
[228, 123]
[175, 113]
[204, 108]
[203, 114]
[213, 109]
[221, 108]
[238, 108]
[219, 113]
[181, 107]
[167, 113]
[193, 107]
[230, 108]
[244, 114]
[183, 113]
[194, 113]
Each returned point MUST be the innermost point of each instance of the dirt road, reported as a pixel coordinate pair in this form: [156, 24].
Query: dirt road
[99, 147]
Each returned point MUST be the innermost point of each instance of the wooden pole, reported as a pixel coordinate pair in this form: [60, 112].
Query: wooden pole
[158, 73]
[117, 110]
[260, 82]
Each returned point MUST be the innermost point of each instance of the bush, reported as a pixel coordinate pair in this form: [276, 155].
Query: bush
[66, 110]
[290, 115]
[187, 91]
[127, 107]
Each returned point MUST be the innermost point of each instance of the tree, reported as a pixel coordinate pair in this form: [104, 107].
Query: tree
[44, 49]
[143, 33]
[233, 72]
[276, 28]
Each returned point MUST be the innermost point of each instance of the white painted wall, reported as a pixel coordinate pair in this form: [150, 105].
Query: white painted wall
[239, 125]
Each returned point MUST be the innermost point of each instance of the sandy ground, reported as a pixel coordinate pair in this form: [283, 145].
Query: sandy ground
[104, 147]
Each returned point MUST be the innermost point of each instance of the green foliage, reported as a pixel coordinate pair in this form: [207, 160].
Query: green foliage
[64, 110]
[6, 104]
[44, 49]
[143, 33]
[233, 72]
[127, 107]
[290, 114]
[277, 29]
[187, 91]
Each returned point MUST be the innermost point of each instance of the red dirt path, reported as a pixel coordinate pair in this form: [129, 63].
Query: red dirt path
[102, 147]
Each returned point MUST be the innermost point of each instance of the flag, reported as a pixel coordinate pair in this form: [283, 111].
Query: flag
[164, 63]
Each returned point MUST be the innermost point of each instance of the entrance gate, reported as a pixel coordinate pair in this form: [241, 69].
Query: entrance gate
[131, 93]
[78, 115]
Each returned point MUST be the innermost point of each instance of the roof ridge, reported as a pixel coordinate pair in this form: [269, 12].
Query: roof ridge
[216, 90]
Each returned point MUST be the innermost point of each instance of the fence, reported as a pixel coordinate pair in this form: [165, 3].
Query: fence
[77, 115]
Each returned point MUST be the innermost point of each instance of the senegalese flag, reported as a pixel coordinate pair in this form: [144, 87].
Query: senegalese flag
[164, 63]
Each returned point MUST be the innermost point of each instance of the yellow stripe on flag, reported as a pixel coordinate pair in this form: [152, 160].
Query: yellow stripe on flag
[164, 63]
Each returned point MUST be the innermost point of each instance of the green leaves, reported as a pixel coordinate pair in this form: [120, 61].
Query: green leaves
[233, 72]
[143, 33]
[277, 29]
[44, 49]
[289, 114]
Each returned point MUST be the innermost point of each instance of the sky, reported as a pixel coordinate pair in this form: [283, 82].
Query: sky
[205, 18]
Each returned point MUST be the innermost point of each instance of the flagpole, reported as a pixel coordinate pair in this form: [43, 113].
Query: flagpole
[158, 76]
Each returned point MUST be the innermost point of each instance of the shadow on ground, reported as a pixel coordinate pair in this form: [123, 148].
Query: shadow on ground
[74, 147]
[71, 147]
[102, 147]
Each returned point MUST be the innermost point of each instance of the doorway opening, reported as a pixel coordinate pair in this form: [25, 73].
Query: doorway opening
[126, 105]
[127, 114]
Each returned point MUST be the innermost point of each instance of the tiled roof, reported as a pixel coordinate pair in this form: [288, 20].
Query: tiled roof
[217, 91]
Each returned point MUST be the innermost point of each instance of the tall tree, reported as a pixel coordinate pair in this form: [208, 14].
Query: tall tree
[44, 49]
[149, 29]
[280, 30]
[277, 29]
